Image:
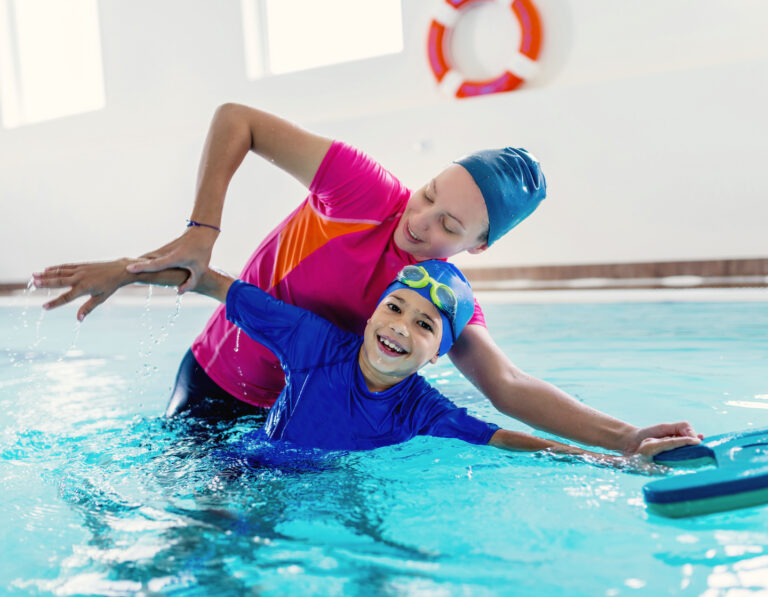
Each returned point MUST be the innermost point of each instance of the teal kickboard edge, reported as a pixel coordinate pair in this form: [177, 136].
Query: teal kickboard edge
[706, 484]
[740, 479]
[710, 505]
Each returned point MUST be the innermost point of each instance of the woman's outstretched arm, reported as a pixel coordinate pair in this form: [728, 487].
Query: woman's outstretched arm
[524, 442]
[234, 130]
[545, 406]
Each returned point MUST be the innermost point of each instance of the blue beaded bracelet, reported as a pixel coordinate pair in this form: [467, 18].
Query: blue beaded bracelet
[193, 223]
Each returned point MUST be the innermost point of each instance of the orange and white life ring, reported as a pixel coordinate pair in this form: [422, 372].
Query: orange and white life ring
[520, 67]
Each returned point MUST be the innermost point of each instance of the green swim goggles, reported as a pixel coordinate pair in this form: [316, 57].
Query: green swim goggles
[443, 297]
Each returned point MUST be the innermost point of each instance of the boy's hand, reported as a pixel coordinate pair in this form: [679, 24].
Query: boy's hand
[99, 280]
[660, 438]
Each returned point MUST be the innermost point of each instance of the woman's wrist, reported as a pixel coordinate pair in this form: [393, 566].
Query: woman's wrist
[208, 208]
[206, 229]
[629, 439]
[198, 224]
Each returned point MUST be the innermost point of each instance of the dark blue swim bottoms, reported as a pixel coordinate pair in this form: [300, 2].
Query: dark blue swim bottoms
[197, 395]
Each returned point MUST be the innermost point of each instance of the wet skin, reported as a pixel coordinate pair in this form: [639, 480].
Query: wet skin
[444, 217]
[402, 335]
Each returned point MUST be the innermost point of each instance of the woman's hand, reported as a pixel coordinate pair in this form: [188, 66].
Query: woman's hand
[191, 251]
[649, 441]
[99, 280]
[651, 446]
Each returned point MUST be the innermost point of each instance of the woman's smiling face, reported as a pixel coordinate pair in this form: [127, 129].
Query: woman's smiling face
[443, 218]
[402, 335]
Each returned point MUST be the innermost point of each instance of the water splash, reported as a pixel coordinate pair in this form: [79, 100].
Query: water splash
[76, 337]
[145, 320]
[38, 325]
[239, 369]
[146, 369]
[146, 346]
[165, 329]
[72, 350]
[22, 323]
[27, 302]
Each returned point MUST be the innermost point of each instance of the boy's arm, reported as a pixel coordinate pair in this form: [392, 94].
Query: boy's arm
[99, 280]
[524, 442]
[213, 283]
[544, 406]
[264, 318]
[297, 337]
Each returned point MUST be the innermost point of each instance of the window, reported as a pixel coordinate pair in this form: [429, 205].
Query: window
[283, 36]
[50, 60]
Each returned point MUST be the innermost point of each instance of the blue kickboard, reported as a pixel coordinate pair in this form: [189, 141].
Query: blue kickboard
[740, 479]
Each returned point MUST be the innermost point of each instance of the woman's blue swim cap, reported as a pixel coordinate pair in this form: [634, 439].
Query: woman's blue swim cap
[448, 274]
[512, 185]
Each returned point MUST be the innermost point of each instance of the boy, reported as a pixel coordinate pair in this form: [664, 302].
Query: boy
[344, 392]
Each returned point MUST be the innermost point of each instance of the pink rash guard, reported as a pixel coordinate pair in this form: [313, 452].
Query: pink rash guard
[334, 256]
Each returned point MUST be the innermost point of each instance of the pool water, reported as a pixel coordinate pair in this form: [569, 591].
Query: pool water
[102, 496]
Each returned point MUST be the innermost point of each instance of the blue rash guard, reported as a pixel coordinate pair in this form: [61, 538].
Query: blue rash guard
[325, 402]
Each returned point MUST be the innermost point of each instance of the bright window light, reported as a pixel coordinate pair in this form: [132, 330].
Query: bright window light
[50, 60]
[284, 36]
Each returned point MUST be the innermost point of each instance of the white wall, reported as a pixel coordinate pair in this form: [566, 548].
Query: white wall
[649, 118]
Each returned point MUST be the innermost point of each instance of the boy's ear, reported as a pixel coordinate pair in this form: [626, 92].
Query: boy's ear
[478, 249]
[433, 360]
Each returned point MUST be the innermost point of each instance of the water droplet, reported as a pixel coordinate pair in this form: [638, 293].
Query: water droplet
[78, 327]
[39, 323]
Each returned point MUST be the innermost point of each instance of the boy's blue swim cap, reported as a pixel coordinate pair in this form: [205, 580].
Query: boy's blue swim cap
[446, 273]
[512, 185]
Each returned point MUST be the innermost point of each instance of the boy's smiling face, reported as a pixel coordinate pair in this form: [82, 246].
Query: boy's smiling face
[445, 217]
[402, 335]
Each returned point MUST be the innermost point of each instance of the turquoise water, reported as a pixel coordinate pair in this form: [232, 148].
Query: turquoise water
[101, 496]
